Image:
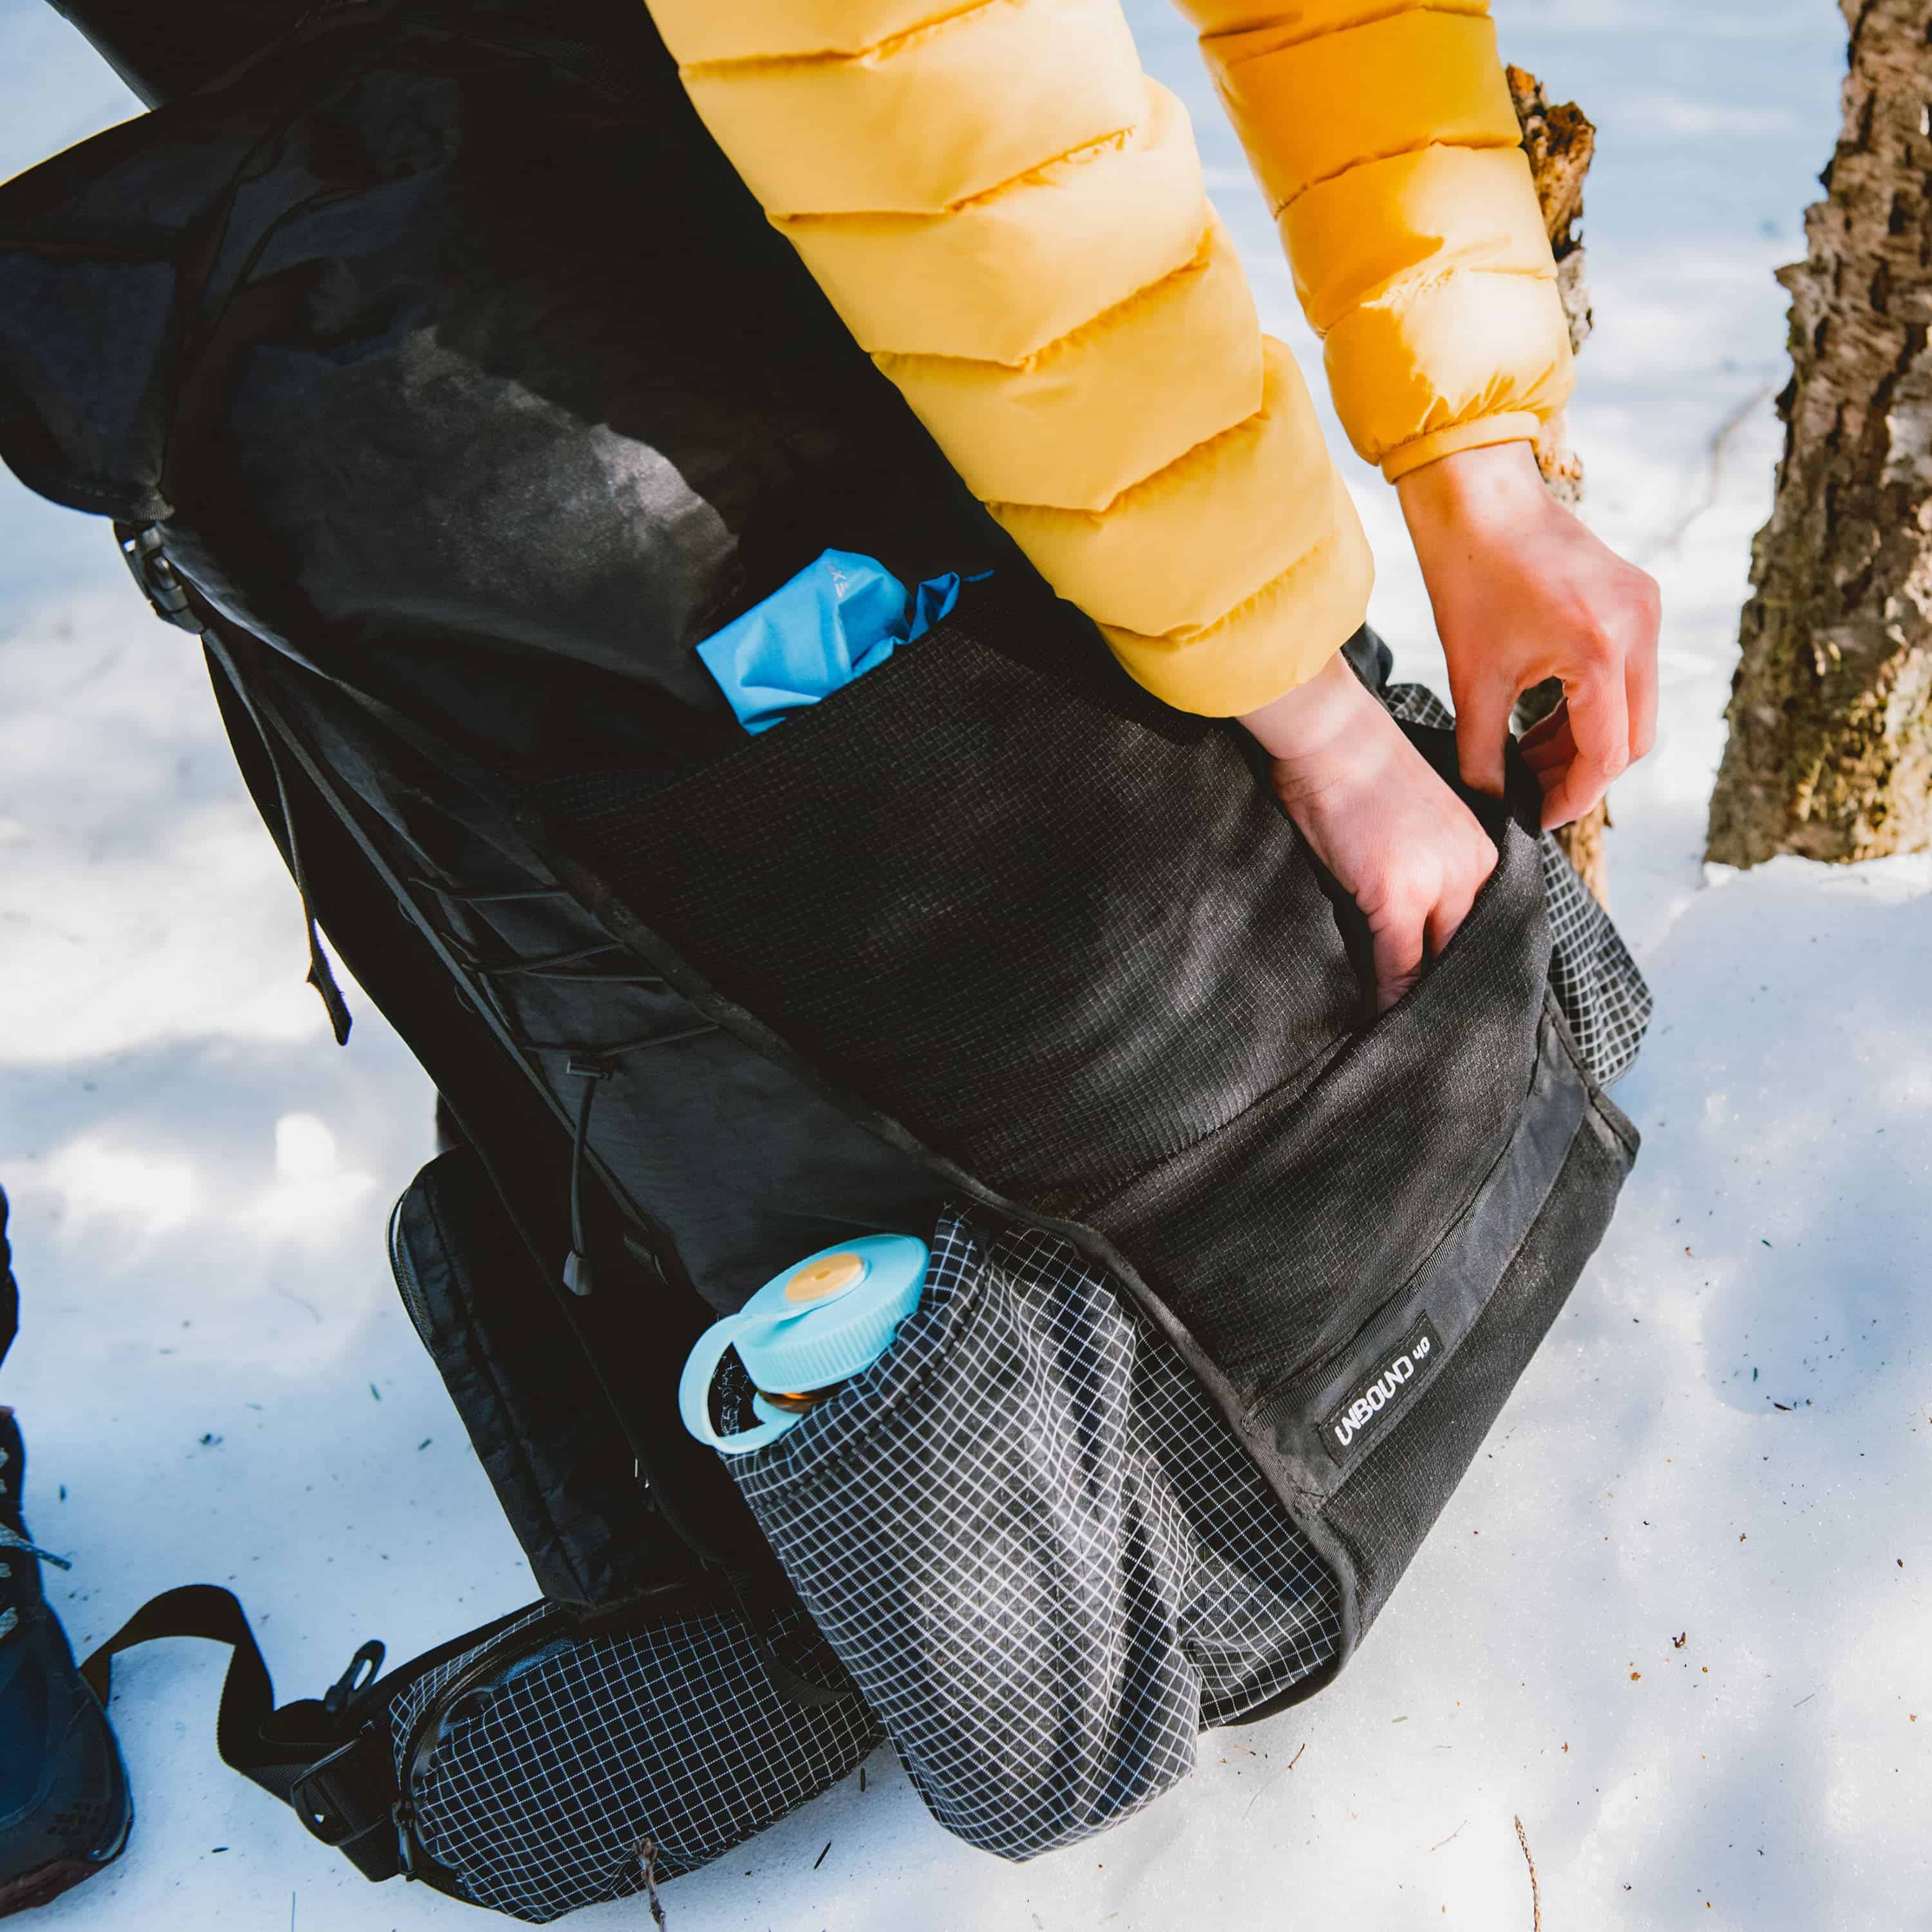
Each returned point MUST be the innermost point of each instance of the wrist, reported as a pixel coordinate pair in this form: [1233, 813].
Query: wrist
[1475, 489]
[1313, 717]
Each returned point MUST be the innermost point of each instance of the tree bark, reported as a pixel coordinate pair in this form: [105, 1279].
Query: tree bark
[1560, 141]
[1830, 754]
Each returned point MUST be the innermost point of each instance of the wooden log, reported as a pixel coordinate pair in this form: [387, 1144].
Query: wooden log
[1560, 141]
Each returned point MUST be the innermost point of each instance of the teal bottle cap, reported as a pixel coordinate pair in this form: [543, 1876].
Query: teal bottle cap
[822, 1320]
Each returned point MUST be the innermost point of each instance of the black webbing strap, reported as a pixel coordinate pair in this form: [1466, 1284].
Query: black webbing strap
[331, 1767]
[790, 1685]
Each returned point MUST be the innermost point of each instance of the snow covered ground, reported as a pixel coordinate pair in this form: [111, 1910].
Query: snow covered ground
[1676, 1620]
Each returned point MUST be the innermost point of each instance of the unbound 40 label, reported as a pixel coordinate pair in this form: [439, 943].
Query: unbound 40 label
[1365, 1411]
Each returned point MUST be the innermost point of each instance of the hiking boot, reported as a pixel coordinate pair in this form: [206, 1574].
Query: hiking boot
[64, 1810]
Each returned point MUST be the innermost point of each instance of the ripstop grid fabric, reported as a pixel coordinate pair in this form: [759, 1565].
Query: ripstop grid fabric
[554, 1781]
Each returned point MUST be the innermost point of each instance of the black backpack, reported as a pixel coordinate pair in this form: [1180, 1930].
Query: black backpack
[436, 370]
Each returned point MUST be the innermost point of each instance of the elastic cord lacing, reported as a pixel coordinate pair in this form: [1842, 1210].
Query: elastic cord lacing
[321, 975]
[593, 1064]
[168, 596]
[590, 1064]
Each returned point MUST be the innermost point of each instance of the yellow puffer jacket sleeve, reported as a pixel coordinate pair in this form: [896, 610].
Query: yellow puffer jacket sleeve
[1009, 216]
[1382, 133]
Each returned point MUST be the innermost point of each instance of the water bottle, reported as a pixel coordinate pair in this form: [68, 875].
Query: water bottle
[822, 1321]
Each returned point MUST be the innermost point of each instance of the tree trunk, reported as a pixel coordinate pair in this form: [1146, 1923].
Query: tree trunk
[1560, 142]
[1830, 754]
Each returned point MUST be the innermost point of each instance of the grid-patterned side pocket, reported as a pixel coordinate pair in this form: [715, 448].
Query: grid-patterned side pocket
[576, 1757]
[1040, 1553]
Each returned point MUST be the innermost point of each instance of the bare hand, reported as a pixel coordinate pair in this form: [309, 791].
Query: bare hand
[1523, 592]
[1399, 841]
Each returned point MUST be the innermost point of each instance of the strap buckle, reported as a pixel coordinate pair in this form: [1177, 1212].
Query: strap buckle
[149, 565]
[347, 1801]
[342, 1695]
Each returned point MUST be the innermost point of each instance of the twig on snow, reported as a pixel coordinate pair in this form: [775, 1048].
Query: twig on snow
[647, 1869]
[313, 1313]
[1276, 1780]
[1721, 440]
[1452, 1837]
[1535, 1895]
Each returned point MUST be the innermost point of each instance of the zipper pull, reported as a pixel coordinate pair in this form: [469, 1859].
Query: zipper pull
[404, 1816]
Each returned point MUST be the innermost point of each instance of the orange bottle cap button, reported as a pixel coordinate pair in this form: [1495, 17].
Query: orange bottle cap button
[830, 1274]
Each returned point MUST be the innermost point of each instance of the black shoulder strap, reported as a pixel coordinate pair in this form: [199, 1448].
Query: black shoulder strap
[327, 1758]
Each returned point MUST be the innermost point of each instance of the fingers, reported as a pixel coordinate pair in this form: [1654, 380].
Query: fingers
[1610, 701]
[1640, 675]
[1549, 744]
[1399, 941]
[1416, 924]
[1395, 838]
[1482, 731]
[1449, 911]
[1598, 722]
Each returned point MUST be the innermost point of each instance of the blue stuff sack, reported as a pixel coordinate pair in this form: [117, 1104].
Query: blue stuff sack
[838, 618]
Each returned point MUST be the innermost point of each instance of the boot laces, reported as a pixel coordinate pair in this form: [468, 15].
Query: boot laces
[13, 1543]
